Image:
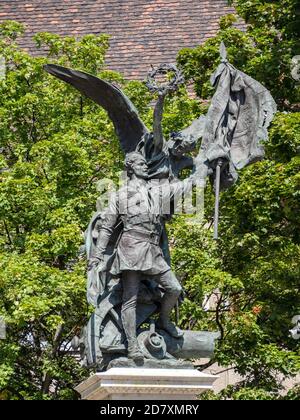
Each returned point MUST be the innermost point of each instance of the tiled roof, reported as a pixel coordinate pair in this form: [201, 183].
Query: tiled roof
[143, 32]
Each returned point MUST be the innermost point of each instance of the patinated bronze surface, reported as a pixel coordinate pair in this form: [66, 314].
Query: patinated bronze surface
[130, 282]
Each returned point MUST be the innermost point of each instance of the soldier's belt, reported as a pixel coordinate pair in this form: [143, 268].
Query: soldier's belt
[150, 237]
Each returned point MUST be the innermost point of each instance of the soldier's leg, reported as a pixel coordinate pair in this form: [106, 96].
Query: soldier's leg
[130, 282]
[172, 290]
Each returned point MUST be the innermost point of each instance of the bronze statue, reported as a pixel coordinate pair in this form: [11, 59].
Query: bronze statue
[139, 206]
[130, 282]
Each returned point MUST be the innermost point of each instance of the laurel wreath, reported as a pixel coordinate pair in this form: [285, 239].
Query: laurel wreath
[170, 85]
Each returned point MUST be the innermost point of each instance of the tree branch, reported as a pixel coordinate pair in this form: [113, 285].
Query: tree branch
[218, 318]
[7, 233]
[47, 379]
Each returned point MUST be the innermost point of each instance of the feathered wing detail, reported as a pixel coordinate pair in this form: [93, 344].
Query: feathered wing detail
[129, 127]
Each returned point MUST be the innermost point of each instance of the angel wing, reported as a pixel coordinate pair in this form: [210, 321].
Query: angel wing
[128, 126]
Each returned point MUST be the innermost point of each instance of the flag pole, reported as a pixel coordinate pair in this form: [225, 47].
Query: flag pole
[217, 199]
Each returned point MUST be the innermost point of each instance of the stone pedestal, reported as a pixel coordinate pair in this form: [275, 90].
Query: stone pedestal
[146, 384]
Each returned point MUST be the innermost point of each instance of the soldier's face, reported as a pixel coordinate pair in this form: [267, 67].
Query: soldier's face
[140, 168]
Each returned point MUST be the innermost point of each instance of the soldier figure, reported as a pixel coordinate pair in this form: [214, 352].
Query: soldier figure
[140, 207]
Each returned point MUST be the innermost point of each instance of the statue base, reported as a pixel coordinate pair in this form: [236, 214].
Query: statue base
[146, 384]
[171, 363]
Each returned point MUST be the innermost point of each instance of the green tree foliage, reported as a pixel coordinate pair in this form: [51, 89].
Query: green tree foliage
[55, 145]
[253, 272]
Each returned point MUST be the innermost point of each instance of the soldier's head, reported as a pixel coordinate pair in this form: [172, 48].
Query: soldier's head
[136, 165]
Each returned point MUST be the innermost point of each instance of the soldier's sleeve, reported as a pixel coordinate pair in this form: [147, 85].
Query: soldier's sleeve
[109, 221]
[179, 188]
[182, 187]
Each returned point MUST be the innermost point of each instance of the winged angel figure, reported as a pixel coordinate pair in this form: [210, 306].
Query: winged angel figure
[129, 275]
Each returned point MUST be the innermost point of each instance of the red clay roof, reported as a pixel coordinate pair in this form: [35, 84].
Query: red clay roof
[143, 32]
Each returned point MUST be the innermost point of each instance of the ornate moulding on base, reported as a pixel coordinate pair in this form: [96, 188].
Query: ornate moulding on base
[146, 384]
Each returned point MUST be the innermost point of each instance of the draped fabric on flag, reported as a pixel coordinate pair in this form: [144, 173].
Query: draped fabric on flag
[236, 123]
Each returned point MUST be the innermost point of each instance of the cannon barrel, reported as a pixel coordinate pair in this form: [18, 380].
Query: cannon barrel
[193, 344]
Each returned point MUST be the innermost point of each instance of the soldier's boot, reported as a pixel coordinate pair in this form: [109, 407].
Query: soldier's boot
[134, 351]
[168, 326]
[168, 303]
[129, 325]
